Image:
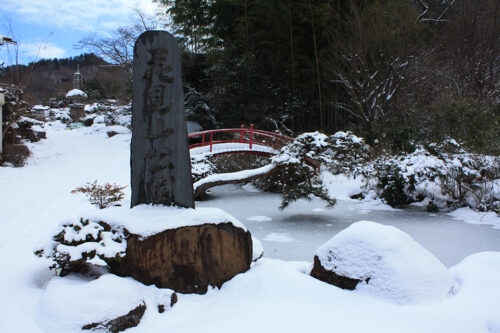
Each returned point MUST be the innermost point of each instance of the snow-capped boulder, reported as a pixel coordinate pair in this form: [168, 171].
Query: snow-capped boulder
[31, 129]
[75, 93]
[116, 129]
[99, 120]
[110, 304]
[382, 261]
[188, 259]
[186, 250]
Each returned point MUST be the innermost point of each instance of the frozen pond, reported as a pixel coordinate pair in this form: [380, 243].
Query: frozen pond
[296, 232]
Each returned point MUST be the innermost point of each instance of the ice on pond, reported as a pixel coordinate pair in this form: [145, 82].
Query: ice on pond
[280, 238]
[259, 218]
[448, 239]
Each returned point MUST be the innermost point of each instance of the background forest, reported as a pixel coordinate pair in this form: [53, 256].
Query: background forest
[396, 72]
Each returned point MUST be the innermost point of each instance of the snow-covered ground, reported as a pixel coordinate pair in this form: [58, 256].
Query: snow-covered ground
[274, 296]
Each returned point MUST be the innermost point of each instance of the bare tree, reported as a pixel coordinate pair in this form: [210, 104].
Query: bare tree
[434, 11]
[118, 47]
[370, 84]
[368, 65]
[467, 52]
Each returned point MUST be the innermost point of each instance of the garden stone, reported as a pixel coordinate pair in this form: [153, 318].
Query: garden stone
[188, 259]
[383, 261]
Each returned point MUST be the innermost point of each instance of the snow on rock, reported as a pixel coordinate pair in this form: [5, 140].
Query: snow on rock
[76, 92]
[387, 262]
[259, 218]
[99, 120]
[147, 220]
[79, 242]
[39, 107]
[257, 249]
[70, 303]
[470, 216]
[116, 129]
[373, 202]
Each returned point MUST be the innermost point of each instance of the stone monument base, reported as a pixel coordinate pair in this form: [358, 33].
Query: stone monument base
[77, 112]
[186, 250]
[188, 259]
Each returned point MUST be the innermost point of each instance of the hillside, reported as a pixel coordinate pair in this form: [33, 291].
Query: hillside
[49, 78]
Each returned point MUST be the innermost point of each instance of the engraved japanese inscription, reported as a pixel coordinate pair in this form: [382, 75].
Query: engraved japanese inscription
[160, 163]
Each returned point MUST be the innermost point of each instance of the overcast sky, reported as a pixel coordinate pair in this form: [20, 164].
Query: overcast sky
[50, 28]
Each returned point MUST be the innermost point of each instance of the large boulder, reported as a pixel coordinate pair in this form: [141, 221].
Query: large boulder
[30, 129]
[188, 259]
[169, 247]
[382, 261]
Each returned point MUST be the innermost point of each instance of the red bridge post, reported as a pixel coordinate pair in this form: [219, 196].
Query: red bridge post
[251, 135]
[211, 140]
[242, 132]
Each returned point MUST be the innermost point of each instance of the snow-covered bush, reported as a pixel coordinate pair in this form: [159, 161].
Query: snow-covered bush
[102, 195]
[348, 153]
[76, 244]
[404, 179]
[198, 110]
[302, 159]
[447, 177]
[201, 167]
[473, 180]
[300, 162]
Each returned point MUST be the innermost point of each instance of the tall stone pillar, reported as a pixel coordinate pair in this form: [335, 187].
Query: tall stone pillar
[160, 162]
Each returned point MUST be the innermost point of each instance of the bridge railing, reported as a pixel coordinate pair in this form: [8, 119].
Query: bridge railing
[243, 135]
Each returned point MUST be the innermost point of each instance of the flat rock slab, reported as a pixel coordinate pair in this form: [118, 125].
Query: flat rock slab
[188, 259]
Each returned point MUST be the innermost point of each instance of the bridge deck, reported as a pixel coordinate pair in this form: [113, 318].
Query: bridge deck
[222, 148]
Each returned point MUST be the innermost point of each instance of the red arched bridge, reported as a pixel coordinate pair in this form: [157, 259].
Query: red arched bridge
[236, 140]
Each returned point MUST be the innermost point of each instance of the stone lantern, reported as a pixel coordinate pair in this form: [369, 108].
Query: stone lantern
[76, 97]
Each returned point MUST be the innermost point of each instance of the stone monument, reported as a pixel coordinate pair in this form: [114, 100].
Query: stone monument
[76, 97]
[160, 163]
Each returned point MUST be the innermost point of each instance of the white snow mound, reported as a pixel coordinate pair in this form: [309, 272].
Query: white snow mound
[259, 218]
[257, 249]
[398, 268]
[148, 220]
[76, 92]
[69, 303]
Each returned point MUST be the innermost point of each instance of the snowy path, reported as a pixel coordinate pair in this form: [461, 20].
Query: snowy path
[274, 296]
[36, 198]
